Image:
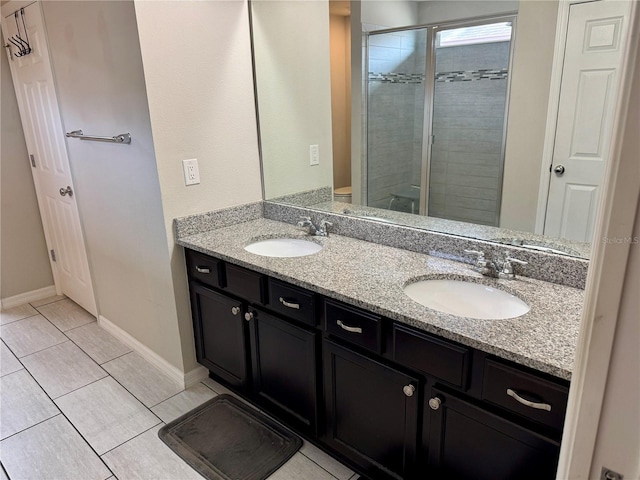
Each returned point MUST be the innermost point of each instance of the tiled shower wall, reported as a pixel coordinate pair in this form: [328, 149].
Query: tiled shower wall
[395, 115]
[469, 108]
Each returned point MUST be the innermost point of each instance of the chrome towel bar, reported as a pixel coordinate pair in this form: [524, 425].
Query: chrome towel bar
[121, 138]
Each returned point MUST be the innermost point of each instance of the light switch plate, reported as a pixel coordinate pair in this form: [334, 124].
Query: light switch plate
[191, 172]
[314, 155]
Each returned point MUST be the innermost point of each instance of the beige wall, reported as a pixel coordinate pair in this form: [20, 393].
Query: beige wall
[294, 93]
[100, 82]
[341, 99]
[530, 83]
[396, 13]
[24, 261]
[445, 10]
[201, 105]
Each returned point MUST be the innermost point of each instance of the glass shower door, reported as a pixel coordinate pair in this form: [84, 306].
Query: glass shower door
[395, 90]
[469, 122]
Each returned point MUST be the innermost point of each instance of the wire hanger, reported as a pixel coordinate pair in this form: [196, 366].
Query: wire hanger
[24, 48]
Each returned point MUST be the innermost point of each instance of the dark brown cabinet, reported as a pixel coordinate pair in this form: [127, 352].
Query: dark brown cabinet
[469, 442]
[284, 368]
[219, 334]
[371, 412]
[390, 400]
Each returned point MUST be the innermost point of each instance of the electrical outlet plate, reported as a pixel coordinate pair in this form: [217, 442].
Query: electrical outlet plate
[314, 155]
[608, 474]
[191, 172]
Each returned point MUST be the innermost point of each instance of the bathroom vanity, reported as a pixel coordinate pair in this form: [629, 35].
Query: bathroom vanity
[329, 344]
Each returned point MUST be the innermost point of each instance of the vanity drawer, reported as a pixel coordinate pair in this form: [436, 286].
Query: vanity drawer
[205, 269]
[292, 302]
[356, 326]
[510, 388]
[437, 358]
[246, 284]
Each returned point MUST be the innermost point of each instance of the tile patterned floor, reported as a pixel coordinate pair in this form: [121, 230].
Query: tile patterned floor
[75, 403]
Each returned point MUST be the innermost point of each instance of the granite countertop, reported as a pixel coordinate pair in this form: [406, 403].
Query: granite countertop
[372, 277]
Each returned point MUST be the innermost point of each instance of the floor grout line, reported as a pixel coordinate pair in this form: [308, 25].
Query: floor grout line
[18, 319]
[48, 303]
[34, 425]
[70, 422]
[135, 436]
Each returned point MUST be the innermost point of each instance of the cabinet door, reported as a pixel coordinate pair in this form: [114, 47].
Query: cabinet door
[284, 368]
[467, 442]
[372, 412]
[219, 331]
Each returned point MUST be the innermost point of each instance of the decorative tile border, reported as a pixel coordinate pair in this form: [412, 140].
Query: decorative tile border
[471, 75]
[396, 77]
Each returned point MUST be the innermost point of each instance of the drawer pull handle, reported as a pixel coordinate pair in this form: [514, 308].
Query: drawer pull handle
[348, 328]
[538, 406]
[203, 269]
[289, 304]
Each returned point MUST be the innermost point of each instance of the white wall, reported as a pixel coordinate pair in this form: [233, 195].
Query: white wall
[618, 440]
[294, 93]
[98, 71]
[23, 253]
[530, 83]
[201, 105]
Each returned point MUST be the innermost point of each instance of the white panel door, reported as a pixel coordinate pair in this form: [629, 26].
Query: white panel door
[588, 94]
[44, 134]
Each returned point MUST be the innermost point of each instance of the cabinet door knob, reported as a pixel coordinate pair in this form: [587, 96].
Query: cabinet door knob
[409, 390]
[435, 403]
[248, 316]
[235, 310]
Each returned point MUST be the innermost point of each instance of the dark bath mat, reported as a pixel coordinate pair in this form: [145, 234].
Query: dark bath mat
[225, 439]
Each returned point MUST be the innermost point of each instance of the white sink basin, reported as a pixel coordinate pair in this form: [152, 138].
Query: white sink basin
[283, 247]
[466, 299]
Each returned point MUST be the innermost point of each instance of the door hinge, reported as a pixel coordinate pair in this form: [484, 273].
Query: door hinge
[53, 255]
[33, 160]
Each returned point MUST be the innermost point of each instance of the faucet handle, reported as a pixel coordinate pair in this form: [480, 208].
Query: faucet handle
[304, 221]
[515, 260]
[507, 267]
[323, 231]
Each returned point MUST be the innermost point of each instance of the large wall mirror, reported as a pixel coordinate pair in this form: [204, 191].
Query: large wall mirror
[431, 114]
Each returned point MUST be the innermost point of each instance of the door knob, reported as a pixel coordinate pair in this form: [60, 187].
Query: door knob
[235, 310]
[66, 191]
[435, 403]
[559, 169]
[248, 316]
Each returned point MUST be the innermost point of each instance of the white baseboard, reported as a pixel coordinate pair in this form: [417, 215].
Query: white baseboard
[185, 380]
[32, 296]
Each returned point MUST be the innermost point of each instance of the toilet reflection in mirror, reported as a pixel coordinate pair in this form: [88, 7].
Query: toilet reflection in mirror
[438, 115]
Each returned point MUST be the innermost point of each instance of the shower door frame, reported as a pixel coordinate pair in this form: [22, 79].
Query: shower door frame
[429, 85]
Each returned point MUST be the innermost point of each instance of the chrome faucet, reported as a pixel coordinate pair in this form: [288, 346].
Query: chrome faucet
[320, 231]
[492, 268]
